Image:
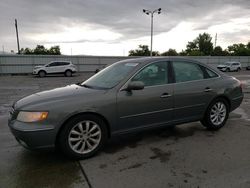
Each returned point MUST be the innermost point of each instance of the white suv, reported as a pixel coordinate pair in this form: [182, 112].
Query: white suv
[230, 66]
[55, 67]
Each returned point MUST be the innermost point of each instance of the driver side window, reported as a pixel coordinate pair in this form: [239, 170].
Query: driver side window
[153, 74]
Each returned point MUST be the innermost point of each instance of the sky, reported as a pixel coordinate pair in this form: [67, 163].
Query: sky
[113, 27]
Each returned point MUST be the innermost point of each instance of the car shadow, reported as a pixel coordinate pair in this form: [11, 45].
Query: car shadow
[174, 133]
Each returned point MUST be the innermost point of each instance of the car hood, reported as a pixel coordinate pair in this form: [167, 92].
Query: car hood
[40, 66]
[69, 92]
[221, 66]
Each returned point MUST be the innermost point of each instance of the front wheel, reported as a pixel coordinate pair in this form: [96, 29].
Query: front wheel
[68, 73]
[216, 114]
[42, 74]
[83, 136]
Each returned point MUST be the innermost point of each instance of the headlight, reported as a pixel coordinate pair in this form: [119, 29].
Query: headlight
[31, 116]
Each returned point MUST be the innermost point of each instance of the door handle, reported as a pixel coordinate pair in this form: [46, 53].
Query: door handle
[165, 95]
[208, 89]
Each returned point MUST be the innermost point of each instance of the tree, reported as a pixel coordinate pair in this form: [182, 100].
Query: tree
[192, 46]
[248, 45]
[54, 50]
[143, 50]
[201, 45]
[195, 53]
[41, 50]
[218, 51]
[183, 53]
[239, 49]
[170, 52]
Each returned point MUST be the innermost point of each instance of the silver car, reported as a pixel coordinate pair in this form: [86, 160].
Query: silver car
[230, 66]
[55, 67]
[128, 96]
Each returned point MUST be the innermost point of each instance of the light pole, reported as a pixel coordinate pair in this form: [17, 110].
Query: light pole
[17, 38]
[151, 13]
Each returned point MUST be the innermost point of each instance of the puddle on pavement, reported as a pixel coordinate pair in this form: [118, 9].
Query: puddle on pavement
[136, 165]
[163, 156]
[239, 113]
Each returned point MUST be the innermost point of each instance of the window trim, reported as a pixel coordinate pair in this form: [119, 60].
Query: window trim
[158, 61]
[148, 65]
[199, 65]
[211, 71]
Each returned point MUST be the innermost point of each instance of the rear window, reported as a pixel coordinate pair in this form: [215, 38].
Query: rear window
[186, 71]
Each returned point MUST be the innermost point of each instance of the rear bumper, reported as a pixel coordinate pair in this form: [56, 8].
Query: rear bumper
[236, 102]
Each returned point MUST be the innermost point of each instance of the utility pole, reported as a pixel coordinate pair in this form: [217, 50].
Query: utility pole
[215, 40]
[152, 22]
[17, 38]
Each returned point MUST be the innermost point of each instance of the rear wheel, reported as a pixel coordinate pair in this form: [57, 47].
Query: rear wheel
[42, 74]
[68, 73]
[216, 114]
[83, 136]
[227, 70]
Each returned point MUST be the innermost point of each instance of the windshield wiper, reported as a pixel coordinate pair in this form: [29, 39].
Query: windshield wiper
[87, 86]
[94, 87]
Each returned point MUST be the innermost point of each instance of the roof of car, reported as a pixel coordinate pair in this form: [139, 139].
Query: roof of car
[150, 59]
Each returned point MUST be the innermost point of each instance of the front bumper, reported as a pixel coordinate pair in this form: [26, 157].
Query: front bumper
[35, 72]
[31, 136]
[222, 68]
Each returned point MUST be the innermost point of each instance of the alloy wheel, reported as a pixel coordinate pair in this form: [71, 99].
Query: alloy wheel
[218, 113]
[84, 137]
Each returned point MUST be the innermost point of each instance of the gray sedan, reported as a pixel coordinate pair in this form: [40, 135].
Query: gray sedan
[128, 96]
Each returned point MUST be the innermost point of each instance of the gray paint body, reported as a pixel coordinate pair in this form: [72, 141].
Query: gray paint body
[124, 111]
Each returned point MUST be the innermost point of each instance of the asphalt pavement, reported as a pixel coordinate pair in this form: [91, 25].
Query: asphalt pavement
[187, 155]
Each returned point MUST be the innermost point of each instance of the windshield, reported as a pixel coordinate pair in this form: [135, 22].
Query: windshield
[110, 76]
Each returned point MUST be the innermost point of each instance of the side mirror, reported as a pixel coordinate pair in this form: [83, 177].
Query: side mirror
[135, 85]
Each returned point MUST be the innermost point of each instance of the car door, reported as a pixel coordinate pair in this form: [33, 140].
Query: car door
[62, 67]
[193, 90]
[235, 66]
[52, 67]
[150, 106]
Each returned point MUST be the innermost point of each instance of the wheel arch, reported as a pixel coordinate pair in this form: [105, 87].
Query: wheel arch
[226, 98]
[68, 70]
[80, 114]
[42, 70]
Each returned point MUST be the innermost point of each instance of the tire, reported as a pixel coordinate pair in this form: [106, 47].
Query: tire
[210, 120]
[42, 74]
[238, 69]
[68, 73]
[227, 70]
[75, 141]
